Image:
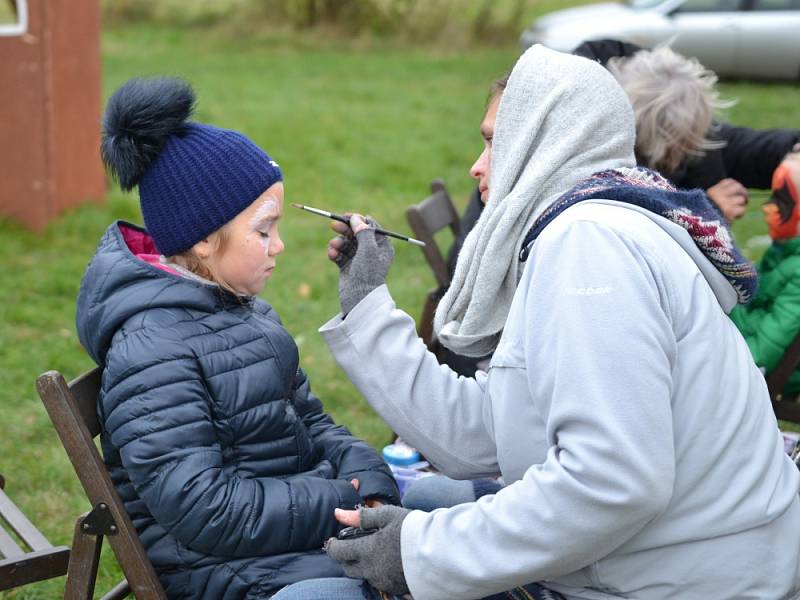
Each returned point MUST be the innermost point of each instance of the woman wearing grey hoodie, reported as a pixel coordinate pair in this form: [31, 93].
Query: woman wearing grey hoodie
[622, 407]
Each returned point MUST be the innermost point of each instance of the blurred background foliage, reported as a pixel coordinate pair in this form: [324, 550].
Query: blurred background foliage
[448, 21]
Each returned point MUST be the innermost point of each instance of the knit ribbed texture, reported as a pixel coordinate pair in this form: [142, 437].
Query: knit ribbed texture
[201, 179]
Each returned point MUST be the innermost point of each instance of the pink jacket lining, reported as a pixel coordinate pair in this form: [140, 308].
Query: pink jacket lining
[142, 247]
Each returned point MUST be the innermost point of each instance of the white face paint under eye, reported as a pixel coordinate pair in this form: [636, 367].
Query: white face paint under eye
[262, 220]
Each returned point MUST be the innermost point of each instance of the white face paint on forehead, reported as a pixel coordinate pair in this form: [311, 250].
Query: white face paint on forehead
[263, 218]
[268, 211]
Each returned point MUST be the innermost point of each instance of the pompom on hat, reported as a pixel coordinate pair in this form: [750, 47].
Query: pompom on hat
[193, 178]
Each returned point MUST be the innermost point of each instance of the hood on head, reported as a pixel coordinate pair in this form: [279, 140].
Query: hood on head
[124, 278]
[561, 119]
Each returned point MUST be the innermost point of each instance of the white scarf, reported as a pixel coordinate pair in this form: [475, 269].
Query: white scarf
[561, 118]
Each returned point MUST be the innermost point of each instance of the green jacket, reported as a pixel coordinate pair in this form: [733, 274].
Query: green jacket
[772, 320]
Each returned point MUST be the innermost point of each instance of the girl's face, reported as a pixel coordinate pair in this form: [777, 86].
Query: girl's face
[247, 260]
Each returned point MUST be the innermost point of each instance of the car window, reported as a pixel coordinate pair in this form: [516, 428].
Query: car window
[644, 4]
[695, 6]
[776, 5]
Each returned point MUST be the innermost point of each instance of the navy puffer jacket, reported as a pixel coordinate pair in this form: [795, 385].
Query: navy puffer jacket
[223, 456]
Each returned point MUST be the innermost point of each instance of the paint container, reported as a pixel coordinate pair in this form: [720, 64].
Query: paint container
[406, 464]
[405, 476]
[400, 454]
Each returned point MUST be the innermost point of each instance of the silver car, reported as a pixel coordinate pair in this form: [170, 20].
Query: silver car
[736, 38]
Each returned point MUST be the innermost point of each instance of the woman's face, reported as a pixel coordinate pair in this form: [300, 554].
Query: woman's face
[480, 170]
[248, 258]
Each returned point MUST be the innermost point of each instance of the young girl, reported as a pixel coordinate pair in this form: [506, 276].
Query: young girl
[224, 458]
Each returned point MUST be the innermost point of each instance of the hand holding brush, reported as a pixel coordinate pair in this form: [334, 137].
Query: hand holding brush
[344, 219]
[363, 259]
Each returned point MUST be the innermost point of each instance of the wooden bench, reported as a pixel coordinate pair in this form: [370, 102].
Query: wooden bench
[28, 557]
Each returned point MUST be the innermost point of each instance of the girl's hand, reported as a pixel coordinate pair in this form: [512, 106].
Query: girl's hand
[370, 502]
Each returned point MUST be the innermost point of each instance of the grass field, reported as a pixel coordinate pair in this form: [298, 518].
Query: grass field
[362, 127]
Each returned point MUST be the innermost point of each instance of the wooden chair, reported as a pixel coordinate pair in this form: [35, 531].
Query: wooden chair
[30, 557]
[786, 409]
[72, 409]
[427, 218]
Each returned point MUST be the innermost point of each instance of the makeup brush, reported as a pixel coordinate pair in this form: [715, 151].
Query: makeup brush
[346, 221]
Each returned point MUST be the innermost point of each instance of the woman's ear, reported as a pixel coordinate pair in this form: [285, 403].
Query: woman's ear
[203, 249]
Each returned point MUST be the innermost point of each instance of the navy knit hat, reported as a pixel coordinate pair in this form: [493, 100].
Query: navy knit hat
[192, 178]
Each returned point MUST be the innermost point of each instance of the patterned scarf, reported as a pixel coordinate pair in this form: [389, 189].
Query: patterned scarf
[692, 210]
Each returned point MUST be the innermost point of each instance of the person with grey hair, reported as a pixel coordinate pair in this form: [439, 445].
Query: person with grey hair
[622, 407]
[678, 133]
[674, 100]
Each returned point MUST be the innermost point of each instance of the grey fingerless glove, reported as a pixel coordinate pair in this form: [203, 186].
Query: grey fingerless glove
[363, 263]
[375, 557]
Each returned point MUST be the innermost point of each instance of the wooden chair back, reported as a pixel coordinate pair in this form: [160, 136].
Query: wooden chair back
[73, 410]
[29, 557]
[427, 218]
[786, 409]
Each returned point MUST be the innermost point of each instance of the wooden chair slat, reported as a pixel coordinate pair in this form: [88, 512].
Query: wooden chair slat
[8, 547]
[85, 390]
[427, 218]
[21, 525]
[787, 410]
[118, 592]
[19, 565]
[34, 566]
[437, 211]
[82, 573]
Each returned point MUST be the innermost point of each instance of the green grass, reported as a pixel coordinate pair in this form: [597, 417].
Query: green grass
[364, 129]
[354, 126]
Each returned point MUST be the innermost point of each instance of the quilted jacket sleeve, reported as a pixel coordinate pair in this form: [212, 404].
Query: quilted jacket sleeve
[353, 458]
[157, 414]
